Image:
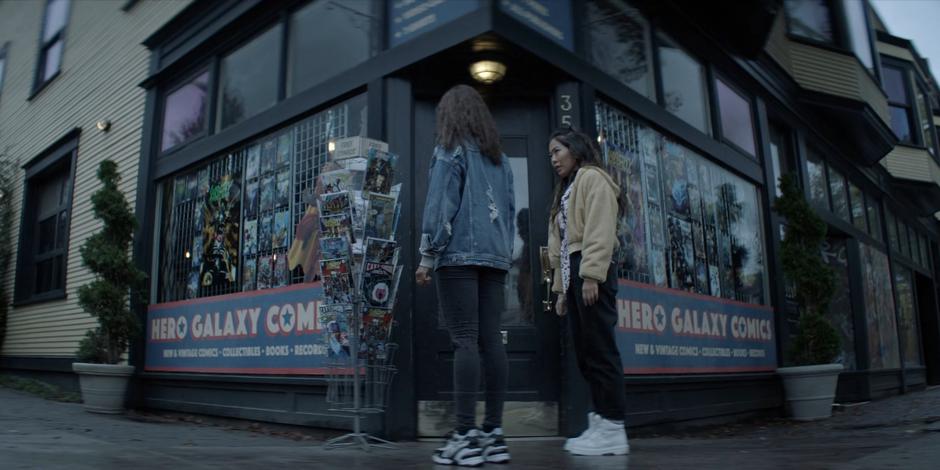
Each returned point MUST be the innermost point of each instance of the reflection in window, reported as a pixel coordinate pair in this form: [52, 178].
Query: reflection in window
[840, 203]
[684, 88]
[780, 155]
[905, 241]
[924, 254]
[737, 123]
[328, 37]
[858, 208]
[856, 19]
[816, 171]
[879, 309]
[618, 43]
[810, 19]
[840, 315]
[925, 117]
[874, 218]
[248, 80]
[184, 112]
[910, 335]
[689, 224]
[892, 230]
[519, 307]
[228, 225]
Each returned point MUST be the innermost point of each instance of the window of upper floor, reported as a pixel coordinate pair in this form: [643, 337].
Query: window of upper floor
[736, 117]
[51, 42]
[909, 104]
[830, 190]
[684, 85]
[291, 52]
[42, 255]
[842, 24]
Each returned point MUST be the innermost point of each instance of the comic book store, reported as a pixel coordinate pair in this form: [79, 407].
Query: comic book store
[287, 148]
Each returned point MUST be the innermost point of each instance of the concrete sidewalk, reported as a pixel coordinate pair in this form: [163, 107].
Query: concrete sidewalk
[899, 432]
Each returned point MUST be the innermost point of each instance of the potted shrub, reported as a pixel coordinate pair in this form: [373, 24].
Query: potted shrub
[810, 383]
[102, 378]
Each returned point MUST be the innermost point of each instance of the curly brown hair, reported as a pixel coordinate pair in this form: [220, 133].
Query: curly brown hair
[463, 117]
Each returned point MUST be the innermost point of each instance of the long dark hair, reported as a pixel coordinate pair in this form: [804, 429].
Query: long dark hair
[462, 116]
[586, 152]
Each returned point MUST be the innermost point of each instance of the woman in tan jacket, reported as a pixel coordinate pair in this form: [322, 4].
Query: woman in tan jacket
[582, 241]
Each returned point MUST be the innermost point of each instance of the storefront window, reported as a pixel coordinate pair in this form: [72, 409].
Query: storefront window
[904, 239]
[910, 335]
[915, 248]
[185, 112]
[879, 309]
[618, 42]
[684, 88]
[737, 123]
[840, 307]
[329, 37]
[816, 172]
[229, 224]
[689, 224]
[892, 230]
[810, 19]
[840, 202]
[249, 77]
[874, 218]
[858, 208]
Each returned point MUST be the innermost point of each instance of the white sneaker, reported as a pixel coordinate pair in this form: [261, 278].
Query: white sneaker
[593, 419]
[494, 446]
[460, 449]
[608, 438]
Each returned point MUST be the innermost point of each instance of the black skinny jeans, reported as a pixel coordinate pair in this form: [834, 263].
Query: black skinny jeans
[593, 331]
[472, 302]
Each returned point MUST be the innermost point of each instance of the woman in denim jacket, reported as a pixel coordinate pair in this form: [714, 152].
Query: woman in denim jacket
[466, 238]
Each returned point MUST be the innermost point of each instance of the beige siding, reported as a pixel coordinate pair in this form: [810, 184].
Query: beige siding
[829, 72]
[911, 164]
[895, 51]
[102, 64]
[778, 44]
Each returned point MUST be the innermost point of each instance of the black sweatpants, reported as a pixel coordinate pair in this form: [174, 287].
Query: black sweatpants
[593, 330]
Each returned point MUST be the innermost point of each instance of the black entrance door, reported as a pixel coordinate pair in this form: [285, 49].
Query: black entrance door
[531, 336]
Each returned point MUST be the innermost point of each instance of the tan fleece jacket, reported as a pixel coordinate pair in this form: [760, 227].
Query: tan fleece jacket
[592, 226]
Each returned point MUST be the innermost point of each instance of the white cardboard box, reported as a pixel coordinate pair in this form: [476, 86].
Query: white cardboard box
[358, 146]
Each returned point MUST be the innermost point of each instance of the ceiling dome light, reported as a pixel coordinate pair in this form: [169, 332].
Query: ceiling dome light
[488, 71]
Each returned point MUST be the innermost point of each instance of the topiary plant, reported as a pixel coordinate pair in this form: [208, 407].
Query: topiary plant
[816, 341]
[116, 277]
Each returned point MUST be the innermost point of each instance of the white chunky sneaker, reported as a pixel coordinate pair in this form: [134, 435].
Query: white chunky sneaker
[460, 449]
[608, 438]
[494, 446]
[592, 424]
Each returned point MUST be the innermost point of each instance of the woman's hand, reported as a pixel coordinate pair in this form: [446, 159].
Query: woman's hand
[423, 276]
[560, 305]
[589, 292]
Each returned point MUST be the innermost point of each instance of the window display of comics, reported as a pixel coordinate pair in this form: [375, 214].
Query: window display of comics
[689, 224]
[242, 221]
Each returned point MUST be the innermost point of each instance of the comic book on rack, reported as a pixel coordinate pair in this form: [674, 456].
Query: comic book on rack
[380, 216]
[376, 283]
[374, 332]
[337, 281]
[335, 320]
[378, 250]
[380, 172]
[334, 247]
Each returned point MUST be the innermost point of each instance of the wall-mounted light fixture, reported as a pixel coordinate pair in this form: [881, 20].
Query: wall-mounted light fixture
[103, 125]
[488, 71]
[331, 146]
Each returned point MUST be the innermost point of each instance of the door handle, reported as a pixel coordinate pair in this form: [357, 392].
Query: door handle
[546, 278]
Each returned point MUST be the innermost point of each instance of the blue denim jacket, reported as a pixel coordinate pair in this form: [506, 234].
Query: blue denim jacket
[469, 215]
